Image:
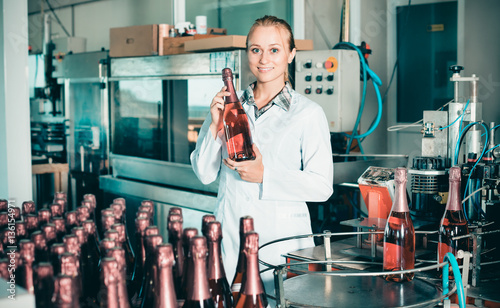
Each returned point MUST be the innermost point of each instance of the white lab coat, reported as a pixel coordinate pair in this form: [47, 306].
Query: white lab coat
[298, 167]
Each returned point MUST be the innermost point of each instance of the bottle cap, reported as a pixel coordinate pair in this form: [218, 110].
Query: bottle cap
[143, 214]
[57, 249]
[204, 222]
[31, 221]
[106, 243]
[20, 229]
[60, 224]
[455, 174]
[49, 231]
[122, 202]
[89, 227]
[120, 228]
[4, 205]
[62, 203]
[173, 217]
[72, 244]
[152, 241]
[141, 223]
[112, 234]
[80, 234]
[246, 224]
[118, 254]
[83, 213]
[251, 243]
[400, 175]
[29, 207]
[56, 210]
[71, 218]
[152, 230]
[107, 221]
[214, 231]
[38, 238]
[164, 255]
[91, 198]
[117, 211]
[44, 216]
[198, 247]
[107, 211]
[4, 219]
[27, 251]
[69, 264]
[43, 270]
[227, 73]
[148, 208]
[63, 291]
[4, 269]
[61, 195]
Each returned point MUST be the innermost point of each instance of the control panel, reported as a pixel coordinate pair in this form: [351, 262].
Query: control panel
[331, 79]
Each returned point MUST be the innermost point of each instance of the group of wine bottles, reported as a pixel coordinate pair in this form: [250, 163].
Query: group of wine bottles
[65, 260]
[399, 233]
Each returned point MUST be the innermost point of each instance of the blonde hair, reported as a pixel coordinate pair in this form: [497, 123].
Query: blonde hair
[268, 21]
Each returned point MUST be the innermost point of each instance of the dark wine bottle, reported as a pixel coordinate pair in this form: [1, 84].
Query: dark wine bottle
[124, 242]
[64, 290]
[236, 126]
[56, 250]
[31, 223]
[217, 281]
[70, 266]
[118, 253]
[399, 234]
[49, 231]
[43, 282]
[453, 222]
[187, 271]
[165, 295]
[148, 285]
[41, 250]
[253, 294]
[109, 283]
[21, 232]
[4, 220]
[91, 257]
[246, 225]
[198, 292]
[134, 287]
[60, 228]
[27, 252]
[44, 217]
[175, 230]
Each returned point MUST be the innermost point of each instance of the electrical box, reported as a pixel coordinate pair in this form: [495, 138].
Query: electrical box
[331, 78]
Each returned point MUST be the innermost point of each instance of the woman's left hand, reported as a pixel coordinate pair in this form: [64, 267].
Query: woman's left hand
[249, 170]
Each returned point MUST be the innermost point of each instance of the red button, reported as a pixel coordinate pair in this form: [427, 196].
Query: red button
[328, 64]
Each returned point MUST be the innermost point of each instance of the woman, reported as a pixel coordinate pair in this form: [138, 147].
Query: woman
[293, 161]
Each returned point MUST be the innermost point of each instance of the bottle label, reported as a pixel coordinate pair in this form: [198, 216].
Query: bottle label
[236, 287]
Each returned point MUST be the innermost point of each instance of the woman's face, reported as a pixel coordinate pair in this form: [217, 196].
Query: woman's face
[268, 54]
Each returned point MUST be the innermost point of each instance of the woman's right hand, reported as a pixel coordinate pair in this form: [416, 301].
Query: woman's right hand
[216, 111]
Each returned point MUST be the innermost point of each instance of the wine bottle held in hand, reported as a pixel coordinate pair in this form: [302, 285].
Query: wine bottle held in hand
[236, 126]
[453, 222]
[253, 294]
[399, 234]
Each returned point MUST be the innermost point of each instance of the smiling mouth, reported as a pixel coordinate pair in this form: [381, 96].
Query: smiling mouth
[265, 69]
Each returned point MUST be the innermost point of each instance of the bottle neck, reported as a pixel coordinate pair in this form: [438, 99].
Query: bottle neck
[228, 82]
[215, 268]
[400, 201]
[166, 291]
[199, 290]
[240, 267]
[454, 202]
[253, 282]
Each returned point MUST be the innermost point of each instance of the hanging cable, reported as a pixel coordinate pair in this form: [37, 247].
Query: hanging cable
[461, 116]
